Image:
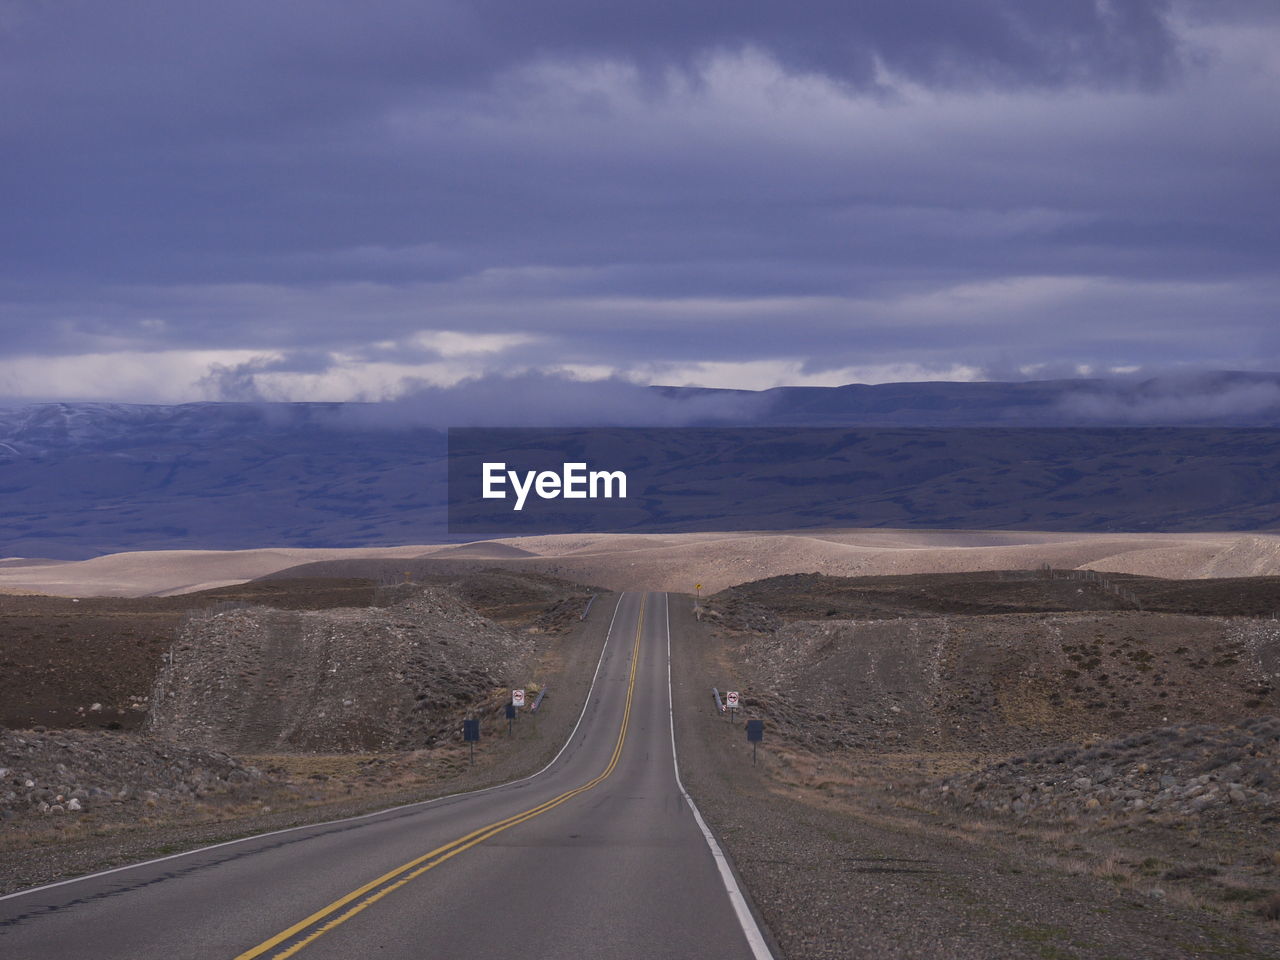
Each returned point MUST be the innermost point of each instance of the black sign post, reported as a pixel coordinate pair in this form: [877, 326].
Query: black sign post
[511, 715]
[471, 733]
[755, 733]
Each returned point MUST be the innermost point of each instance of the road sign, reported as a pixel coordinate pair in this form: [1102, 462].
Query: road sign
[470, 734]
[755, 733]
[517, 698]
[731, 699]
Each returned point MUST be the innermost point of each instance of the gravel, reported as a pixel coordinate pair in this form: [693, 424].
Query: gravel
[870, 874]
[1204, 770]
[116, 775]
[258, 680]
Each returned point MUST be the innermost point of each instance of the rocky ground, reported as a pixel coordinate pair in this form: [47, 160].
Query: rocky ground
[90, 663]
[109, 775]
[97, 798]
[935, 782]
[258, 680]
[1176, 772]
[941, 782]
[1003, 682]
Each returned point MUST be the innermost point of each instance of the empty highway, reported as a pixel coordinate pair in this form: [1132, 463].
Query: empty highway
[600, 855]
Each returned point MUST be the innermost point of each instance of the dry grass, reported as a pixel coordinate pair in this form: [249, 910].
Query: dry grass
[859, 785]
[1115, 869]
[1270, 908]
[297, 766]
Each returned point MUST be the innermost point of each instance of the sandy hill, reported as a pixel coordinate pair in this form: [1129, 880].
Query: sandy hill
[164, 572]
[680, 561]
[480, 550]
[673, 562]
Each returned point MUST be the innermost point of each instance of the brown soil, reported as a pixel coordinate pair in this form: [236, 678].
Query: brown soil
[1005, 682]
[812, 596]
[60, 656]
[1085, 760]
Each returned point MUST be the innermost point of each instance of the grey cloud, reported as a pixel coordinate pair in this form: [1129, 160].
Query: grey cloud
[319, 176]
[1189, 397]
[530, 399]
[238, 65]
[238, 382]
[542, 400]
[232, 382]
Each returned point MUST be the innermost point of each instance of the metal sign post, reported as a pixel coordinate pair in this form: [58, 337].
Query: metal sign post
[517, 701]
[731, 701]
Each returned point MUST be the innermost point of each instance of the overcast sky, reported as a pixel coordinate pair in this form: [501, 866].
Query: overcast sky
[324, 200]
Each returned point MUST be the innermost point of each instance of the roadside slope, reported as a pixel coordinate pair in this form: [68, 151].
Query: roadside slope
[293, 789]
[841, 865]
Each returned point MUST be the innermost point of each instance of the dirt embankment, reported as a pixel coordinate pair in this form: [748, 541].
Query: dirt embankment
[1133, 756]
[849, 850]
[266, 681]
[90, 663]
[1005, 682]
[997, 661]
[259, 678]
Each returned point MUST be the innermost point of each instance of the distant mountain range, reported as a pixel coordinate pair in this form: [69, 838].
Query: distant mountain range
[80, 479]
[1219, 399]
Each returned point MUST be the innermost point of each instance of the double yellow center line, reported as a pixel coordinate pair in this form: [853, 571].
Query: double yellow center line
[327, 918]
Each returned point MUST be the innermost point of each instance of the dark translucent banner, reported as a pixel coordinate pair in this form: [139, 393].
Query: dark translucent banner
[507, 482]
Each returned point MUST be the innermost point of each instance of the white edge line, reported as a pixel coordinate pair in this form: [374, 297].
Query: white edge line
[364, 816]
[746, 919]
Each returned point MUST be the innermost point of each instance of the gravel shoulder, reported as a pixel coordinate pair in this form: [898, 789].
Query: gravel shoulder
[296, 790]
[839, 863]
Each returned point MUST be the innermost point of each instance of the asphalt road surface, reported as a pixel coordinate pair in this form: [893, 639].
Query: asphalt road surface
[600, 855]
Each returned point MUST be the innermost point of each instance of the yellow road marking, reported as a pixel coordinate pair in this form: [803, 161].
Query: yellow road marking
[401, 875]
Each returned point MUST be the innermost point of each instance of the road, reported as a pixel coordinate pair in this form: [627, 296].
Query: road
[600, 855]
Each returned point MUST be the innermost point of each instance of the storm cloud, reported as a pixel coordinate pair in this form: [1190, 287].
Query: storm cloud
[335, 201]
